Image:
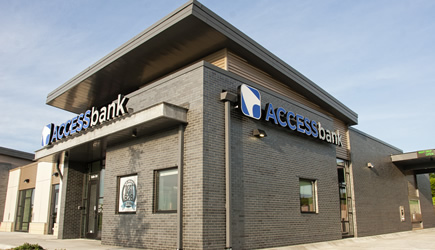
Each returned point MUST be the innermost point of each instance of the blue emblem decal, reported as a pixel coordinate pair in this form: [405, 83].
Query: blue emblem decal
[46, 134]
[250, 101]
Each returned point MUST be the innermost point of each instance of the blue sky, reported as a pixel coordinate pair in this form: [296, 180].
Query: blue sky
[377, 57]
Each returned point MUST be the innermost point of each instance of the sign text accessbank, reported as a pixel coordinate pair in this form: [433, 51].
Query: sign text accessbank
[250, 105]
[91, 117]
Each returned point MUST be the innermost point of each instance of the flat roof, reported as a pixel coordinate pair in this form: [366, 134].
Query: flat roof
[189, 33]
[16, 153]
[422, 161]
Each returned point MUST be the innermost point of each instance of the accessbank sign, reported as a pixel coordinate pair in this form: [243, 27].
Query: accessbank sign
[91, 117]
[250, 105]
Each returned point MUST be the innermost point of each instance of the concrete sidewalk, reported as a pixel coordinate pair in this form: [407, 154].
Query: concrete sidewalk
[13, 239]
[419, 239]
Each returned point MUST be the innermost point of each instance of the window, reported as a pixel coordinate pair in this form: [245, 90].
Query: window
[166, 190]
[308, 195]
[24, 210]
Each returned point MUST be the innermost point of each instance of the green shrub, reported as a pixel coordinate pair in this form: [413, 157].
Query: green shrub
[28, 246]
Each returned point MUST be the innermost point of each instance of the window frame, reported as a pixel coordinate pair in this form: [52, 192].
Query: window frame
[156, 191]
[314, 195]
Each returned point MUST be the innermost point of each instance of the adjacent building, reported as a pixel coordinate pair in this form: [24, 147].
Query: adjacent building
[10, 159]
[193, 136]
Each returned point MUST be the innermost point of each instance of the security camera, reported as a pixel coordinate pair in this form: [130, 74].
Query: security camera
[370, 165]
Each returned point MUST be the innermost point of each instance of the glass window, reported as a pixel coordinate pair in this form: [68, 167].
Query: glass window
[24, 210]
[166, 190]
[308, 195]
[414, 206]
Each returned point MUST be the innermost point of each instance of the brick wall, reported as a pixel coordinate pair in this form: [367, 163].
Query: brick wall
[379, 191]
[265, 175]
[4, 177]
[144, 228]
[145, 154]
[71, 198]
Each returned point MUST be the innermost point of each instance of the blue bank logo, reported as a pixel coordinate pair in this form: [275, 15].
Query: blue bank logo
[46, 134]
[250, 101]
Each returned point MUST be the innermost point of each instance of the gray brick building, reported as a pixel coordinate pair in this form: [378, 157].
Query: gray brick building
[193, 136]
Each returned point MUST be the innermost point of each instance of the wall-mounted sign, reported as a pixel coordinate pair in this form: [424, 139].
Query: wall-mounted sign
[250, 105]
[250, 102]
[91, 117]
[127, 193]
[426, 153]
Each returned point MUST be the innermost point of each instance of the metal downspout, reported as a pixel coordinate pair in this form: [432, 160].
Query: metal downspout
[180, 187]
[228, 98]
[228, 174]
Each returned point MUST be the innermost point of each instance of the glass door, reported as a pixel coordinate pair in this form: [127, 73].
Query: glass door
[24, 210]
[92, 210]
[344, 216]
[344, 190]
[416, 218]
[93, 198]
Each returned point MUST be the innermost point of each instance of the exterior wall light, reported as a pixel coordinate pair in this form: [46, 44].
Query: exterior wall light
[26, 180]
[134, 133]
[259, 133]
[370, 165]
[56, 174]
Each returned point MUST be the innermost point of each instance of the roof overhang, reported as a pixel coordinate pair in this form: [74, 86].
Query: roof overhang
[154, 118]
[420, 162]
[187, 34]
[16, 154]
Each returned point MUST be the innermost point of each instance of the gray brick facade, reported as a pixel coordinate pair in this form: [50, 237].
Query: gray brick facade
[4, 177]
[71, 198]
[142, 157]
[157, 151]
[379, 191]
[265, 175]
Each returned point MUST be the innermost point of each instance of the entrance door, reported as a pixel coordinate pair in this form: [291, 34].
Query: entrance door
[92, 210]
[344, 190]
[24, 210]
[344, 216]
[92, 216]
[53, 208]
[416, 218]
